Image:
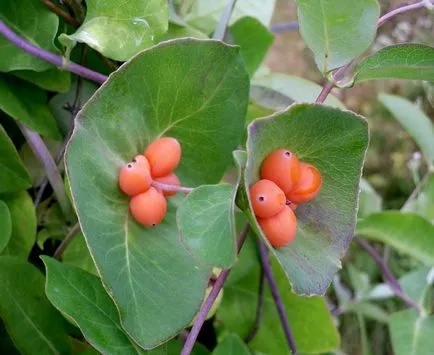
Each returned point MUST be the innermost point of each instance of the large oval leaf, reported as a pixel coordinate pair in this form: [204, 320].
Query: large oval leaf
[32, 322]
[196, 91]
[5, 225]
[337, 31]
[335, 142]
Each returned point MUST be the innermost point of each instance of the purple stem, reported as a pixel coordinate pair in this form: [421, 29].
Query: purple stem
[206, 306]
[50, 57]
[222, 27]
[276, 296]
[167, 187]
[259, 309]
[283, 27]
[327, 88]
[65, 242]
[387, 274]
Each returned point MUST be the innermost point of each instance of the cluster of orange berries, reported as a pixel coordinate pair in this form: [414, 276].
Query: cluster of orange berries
[148, 204]
[285, 182]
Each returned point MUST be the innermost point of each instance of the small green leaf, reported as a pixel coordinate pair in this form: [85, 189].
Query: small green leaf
[407, 232]
[32, 322]
[370, 200]
[181, 31]
[422, 202]
[195, 91]
[206, 224]
[414, 120]
[23, 217]
[120, 31]
[5, 225]
[335, 142]
[411, 333]
[78, 255]
[27, 104]
[254, 40]
[337, 33]
[417, 285]
[51, 79]
[82, 297]
[311, 323]
[13, 174]
[231, 345]
[403, 61]
[32, 20]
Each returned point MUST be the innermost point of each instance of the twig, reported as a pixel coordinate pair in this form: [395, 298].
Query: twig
[259, 309]
[43, 154]
[222, 27]
[50, 57]
[340, 72]
[65, 242]
[167, 187]
[389, 278]
[283, 27]
[57, 10]
[206, 306]
[276, 296]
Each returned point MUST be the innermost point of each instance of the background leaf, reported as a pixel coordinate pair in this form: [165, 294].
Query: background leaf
[407, 232]
[231, 345]
[335, 142]
[39, 29]
[336, 34]
[5, 225]
[206, 224]
[31, 321]
[13, 174]
[416, 285]
[23, 219]
[370, 201]
[120, 30]
[422, 202]
[78, 255]
[415, 122]
[195, 91]
[82, 297]
[51, 79]
[403, 61]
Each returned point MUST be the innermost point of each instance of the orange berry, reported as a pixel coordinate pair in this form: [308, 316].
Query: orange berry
[308, 186]
[283, 168]
[164, 155]
[134, 178]
[267, 198]
[141, 159]
[149, 208]
[169, 179]
[280, 229]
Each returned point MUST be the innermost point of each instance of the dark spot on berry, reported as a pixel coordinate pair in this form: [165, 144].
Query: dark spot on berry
[288, 203]
[288, 154]
[129, 165]
[153, 224]
[134, 160]
[261, 198]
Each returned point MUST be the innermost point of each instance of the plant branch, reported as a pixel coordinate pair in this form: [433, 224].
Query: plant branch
[222, 27]
[276, 295]
[259, 309]
[388, 276]
[206, 306]
[42, 153]
[283, 27]
[50, 57]
[167, 187]
[57, 10]
[327, 88]
[65, 242]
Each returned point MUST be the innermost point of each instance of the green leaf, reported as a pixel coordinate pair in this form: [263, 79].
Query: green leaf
[336, 32]
[412, 333]
[238, 310]
[205, 14]
[78, 255]
[415, 122]
[409, 61]
[23, 219]
[82, 297]
[27, 104]
[370, 200]
[366, 347]
[206, 224]
[422, 202]
[335, 142]
[195, 91]
[254, 40]
[416, 285]
[51, 79]
[119, 31]
[13, 174]
[33, 21]
[181, 31]
[5, 225]
[368, 310]
[296, 88]
[231, 345]
[407, 232]
[31, 321]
